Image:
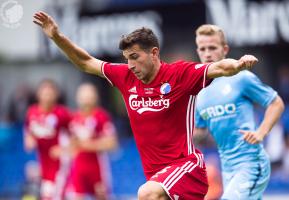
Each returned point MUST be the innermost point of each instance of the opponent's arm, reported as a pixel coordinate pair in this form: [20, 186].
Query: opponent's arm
[230, 67]
[105, 143]
[272, 115]
[29, 142]
[200, 134]
[78, 56]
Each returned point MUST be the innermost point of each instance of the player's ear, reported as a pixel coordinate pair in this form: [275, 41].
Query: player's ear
[226, 49]
[155, 52]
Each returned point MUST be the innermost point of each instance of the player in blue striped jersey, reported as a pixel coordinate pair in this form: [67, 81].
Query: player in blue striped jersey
[225, 109]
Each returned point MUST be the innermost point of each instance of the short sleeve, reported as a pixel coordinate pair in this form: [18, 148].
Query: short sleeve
[65, 117]
[107, 127]
[116, 74]
[193, 76]
[257, 91]
[199, 121]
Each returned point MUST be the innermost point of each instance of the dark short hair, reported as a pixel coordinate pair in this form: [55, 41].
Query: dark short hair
[144, 37]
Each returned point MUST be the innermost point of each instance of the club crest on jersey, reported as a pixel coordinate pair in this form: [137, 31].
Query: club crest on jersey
[227, 89]
[197, 66]
[165, 88]
[142, 104]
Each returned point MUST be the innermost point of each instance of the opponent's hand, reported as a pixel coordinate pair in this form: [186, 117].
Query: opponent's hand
[247, 62]
[47, 23]
[252, 137]
[55, 152]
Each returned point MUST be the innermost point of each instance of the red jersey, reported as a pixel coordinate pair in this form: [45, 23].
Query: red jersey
[91, 168]
[161, 113]
[94, 126]
[45, 127]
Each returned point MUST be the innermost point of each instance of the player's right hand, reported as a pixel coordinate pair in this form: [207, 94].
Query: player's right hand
[47, 23]
[247, 62]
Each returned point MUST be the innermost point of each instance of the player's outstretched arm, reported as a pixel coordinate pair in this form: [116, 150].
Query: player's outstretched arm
[230, 67]
[29, 142]
[77, 55]
[272, 115]
[105, 143]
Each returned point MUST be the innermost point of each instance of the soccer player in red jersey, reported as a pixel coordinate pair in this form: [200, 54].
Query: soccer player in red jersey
[159, 98]
[44, 122]
[93, 134]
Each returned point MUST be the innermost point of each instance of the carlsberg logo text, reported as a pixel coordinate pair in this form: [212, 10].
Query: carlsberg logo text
[147, 104]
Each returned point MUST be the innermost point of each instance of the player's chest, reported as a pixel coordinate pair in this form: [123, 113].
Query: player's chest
[44, 125]
[143, 99]
[84, 127]
[219, 100]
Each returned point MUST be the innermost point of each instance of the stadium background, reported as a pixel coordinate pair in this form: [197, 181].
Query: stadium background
[26, 56]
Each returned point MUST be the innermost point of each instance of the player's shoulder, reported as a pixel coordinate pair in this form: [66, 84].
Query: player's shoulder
[119, 67]
[246, 74]
[61, 109]
[244, 77]
[75, 113]
[101, 112]
[32, 108]
[181, 63]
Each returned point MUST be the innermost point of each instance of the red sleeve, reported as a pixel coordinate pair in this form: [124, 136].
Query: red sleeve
[116, 74]
[107, 127]
[65, 117]
[193, 76]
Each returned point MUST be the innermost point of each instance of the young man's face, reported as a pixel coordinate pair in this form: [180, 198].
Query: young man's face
[210, 48]
[140, 62]
[86, 97]
[47, 94]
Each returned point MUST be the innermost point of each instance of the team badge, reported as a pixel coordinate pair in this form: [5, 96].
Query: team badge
[51, 120]
[165, 88]
[227, 89]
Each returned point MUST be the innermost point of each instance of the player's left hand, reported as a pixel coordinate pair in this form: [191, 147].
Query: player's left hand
[55, 152]
[252, 137]
[247, 62]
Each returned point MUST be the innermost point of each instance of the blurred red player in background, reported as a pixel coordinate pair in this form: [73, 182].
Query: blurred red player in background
[93, 134]
[43, 126]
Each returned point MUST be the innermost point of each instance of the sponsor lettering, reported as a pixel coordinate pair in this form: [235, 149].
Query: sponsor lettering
[218, 110]
[147, 104]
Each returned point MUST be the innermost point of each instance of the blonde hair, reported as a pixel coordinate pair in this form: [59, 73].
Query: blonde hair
[210, 29]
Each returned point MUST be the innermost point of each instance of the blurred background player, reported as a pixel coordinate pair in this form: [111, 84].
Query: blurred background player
[225, 108]
[93, 134]
[43, 126]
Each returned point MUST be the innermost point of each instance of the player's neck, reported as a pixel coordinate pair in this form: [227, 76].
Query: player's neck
[46, 107]
[86, 111]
